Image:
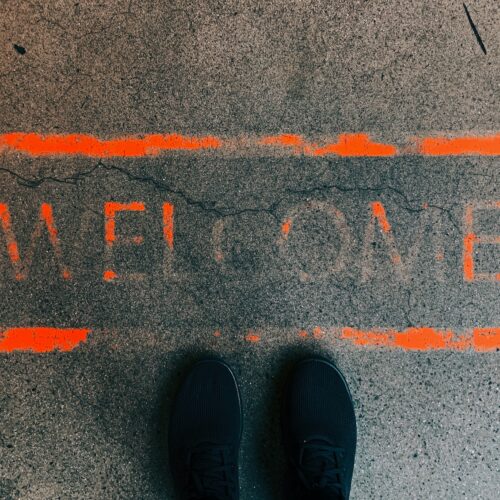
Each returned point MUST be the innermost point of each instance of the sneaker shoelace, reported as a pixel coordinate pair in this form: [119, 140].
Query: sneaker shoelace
[321, 467]
[211, 472]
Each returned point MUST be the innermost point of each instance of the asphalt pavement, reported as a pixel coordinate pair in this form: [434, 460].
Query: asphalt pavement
[274, 239]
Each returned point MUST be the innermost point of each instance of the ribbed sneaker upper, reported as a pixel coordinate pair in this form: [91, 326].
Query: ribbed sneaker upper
[204, 434]
[319, 429]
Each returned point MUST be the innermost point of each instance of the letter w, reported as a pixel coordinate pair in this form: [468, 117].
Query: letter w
[46, 218]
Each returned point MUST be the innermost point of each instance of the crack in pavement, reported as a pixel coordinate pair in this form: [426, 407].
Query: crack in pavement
[230, 211]
[157, 184]
[379, 189]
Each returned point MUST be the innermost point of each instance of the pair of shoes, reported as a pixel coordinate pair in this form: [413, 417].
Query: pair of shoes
[319, 433]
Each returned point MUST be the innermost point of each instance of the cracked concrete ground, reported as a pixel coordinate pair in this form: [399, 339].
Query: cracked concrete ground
[89, 423]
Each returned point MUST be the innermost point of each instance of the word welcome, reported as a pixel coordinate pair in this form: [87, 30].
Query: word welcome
[378, 226]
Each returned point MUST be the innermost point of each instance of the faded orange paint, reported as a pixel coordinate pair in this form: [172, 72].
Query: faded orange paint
[12, 248]
[425, 338]
[46, 218]
[47, 215]
[462, 146]
[41, 339]
[468, 256]
[109, 275]
[347, 145]
[110, 209]
[356, 145]
[317, 333]
[484, 339]
[168, 224]
[87, 145]
[285, 227]
[396, 259]
[379, 212]
[471, 239]
[252, 337]
[292, 140]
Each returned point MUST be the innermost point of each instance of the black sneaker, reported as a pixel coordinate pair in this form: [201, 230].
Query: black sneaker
[205, 432]
[319, 429]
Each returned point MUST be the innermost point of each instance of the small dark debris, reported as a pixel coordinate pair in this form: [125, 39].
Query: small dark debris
[19, 49]
[474, 29]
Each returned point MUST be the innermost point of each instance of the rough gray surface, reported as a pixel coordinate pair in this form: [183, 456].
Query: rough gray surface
[88, 424]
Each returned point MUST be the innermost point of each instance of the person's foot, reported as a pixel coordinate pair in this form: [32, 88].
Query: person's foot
[205, 432]
[319, 430]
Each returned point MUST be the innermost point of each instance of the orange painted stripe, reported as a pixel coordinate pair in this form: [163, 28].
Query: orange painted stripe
[462, 146]
[346, 145]
[47, 339]
[41, 339]
[486, 339]
[425, 339]
[88, 145]
[317, 332]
